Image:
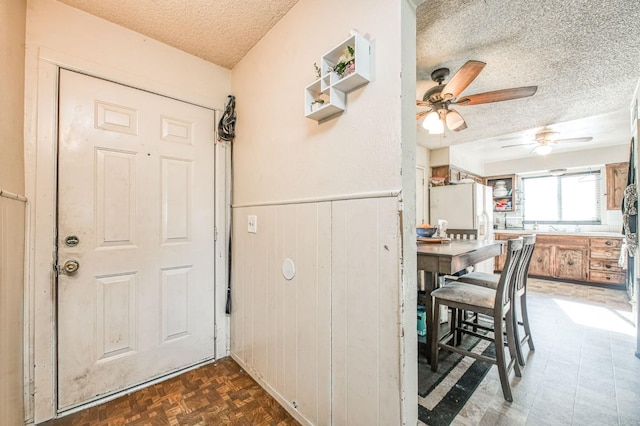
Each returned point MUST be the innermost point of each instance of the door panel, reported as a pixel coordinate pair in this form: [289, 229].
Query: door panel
[135, 187]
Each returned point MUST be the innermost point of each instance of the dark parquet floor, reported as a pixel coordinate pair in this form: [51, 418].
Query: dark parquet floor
[220, 393]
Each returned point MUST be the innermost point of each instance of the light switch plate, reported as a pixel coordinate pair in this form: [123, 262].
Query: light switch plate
[252, 224]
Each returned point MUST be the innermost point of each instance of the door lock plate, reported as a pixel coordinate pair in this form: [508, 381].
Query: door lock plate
[71, 241]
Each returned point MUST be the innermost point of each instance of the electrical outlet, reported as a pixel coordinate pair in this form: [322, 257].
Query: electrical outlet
[252, 223]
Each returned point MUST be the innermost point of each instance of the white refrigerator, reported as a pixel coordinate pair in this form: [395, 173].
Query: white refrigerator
[464, 206]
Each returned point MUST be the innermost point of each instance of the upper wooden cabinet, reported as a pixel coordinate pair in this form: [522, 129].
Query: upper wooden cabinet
[616, 175]
[453, 174]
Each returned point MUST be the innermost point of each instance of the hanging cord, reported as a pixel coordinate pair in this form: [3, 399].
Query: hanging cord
[227, 124]
[227, 132]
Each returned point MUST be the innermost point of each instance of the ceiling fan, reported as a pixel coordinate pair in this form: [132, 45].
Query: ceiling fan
[440, 97]
[545, 139]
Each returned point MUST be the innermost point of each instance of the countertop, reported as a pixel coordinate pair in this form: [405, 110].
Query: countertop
[569, 233]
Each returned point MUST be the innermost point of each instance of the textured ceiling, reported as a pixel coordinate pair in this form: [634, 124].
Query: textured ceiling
[219, 31]
[583, 55]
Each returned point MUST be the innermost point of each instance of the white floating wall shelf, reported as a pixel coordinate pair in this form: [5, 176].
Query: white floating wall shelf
[331, 87]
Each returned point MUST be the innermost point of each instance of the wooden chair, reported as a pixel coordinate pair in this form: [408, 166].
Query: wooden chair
[462, 234]
[520, 292]
[495, 304]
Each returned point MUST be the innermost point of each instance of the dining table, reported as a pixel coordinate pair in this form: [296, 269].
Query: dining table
[438, 259]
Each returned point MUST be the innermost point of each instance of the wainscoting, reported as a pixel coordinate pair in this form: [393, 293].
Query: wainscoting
[326, 343]
[12, 237]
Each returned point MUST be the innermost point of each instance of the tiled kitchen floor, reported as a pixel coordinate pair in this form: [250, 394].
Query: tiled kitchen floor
[583, 371]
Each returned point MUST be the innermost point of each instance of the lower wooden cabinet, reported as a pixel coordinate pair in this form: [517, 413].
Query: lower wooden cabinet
[603, 262]
[540, 261]
[575, 258]
[572, 263]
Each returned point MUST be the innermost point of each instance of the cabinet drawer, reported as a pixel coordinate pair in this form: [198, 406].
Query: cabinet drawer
[605, 265]
[606, 277]
[602, 253]
[605, 243]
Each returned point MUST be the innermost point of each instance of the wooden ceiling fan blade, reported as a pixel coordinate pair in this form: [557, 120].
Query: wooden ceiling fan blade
[423, 103]
[461, 79]
[585, 139]
[422, 114]
[497, 96]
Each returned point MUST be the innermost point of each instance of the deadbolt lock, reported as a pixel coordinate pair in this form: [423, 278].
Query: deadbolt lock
[70, 266]
[71, 241]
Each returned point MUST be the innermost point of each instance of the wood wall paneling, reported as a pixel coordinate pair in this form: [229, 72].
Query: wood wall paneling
[12, 236]
[327, 341]
[365, 316]
[281, 328]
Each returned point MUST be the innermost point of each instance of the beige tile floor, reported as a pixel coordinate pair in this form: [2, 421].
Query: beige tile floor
[583, 371]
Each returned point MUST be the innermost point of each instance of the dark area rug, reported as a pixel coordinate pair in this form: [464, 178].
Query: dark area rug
[450, 405]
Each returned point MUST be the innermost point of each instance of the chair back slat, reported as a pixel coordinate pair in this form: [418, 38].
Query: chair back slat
[529, 242]
[462, 234]
[507, 281]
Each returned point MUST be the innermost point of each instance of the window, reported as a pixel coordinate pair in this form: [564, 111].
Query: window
[570, 199]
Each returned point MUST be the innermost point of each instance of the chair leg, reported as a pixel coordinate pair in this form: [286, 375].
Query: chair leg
[525, 320]
[516, 335]
[512, 343]
[435, 339]
[500, 358]
[458, 331]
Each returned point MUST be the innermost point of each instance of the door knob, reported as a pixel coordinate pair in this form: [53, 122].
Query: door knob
[70, 266]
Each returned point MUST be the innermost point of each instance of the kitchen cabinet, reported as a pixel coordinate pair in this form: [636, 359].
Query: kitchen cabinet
[453, 174]
[579, 258]
[616, 176]
[603, 262]
[503, 202]
[540, 260]
[571, 263]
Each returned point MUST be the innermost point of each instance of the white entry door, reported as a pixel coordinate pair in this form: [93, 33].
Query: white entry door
[136, 217]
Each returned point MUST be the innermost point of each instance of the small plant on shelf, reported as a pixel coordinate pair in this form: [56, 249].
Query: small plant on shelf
[318, 72]
[346, 62]
[319, 101]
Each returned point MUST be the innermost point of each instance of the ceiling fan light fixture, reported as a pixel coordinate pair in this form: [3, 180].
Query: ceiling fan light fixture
[542, 149]
[437, 128]
[431, 120]
[454, 120]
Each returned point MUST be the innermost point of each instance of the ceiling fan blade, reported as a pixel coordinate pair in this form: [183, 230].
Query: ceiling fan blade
[461, 79]
[422, 114]
[497, 96]
[585, 139]
[518, 144]
[423, 103]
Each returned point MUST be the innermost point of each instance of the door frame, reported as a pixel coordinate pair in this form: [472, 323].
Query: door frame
[40, 289]
[421, 172]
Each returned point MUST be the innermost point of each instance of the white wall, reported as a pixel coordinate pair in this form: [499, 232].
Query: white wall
[635, 132]
[586, 157]
[12, 211]
[460, 157]
[60, 35]
[303, 179]
[439, 157]
[422, 160]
